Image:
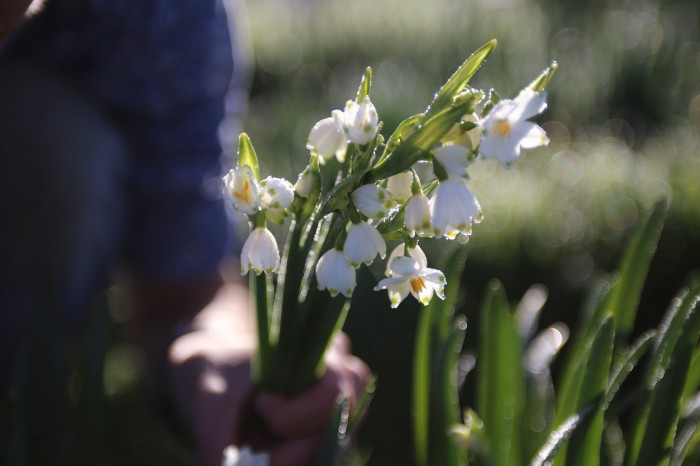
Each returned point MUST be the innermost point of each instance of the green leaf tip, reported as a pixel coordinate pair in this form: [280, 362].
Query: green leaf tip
[247, 155]
[365, 84]
[543, 79]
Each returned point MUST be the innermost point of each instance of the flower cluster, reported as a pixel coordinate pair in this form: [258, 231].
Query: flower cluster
[378, 196]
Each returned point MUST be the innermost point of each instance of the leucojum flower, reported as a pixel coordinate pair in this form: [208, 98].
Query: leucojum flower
[339, 217]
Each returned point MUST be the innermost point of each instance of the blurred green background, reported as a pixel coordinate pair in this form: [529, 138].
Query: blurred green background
[624, 123]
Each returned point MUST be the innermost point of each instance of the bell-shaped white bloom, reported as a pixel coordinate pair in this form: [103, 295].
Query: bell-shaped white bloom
[359, 121]
[234, 456]
[455, 159]
[506, 130]
[417, 216]
[304, 183]
[412, 275]
[326, 140]
[373, 201]
[399, 185]
[400, 250]
[453, 209]
[363, 243]
[276, 193]
[260, 252]
[242, 189]
[335, 274]
[470, 138]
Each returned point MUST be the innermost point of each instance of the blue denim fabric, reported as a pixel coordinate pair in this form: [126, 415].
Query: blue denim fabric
[109, 113]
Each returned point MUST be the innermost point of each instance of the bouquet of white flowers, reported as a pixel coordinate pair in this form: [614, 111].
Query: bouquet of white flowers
[340, 219]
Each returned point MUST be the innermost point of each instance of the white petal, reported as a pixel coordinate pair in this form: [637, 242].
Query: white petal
[398, 251]
[419, 256]
[335, 274]
[405, 266]
[242, 189]
[529, 103]
[327, 139]
[372, 200]
[260, 252]
[399, 185]
[398, 288]
[276, 193]
[417, 215]
[455, 159]
[363, 243]
[531, 136]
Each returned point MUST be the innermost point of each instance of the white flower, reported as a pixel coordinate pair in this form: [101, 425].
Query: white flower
[506, 130]
[411, 275]
[399, 185]
[372, 200]
[335, 274]
[453, 209]
[260, 252]
[326, 139]
[242, 189]
[417, 216]
[358, 121]
[304, 183]
[469, 139]
[276, 193]
[244, 457]
[363, 243]
[455, 159]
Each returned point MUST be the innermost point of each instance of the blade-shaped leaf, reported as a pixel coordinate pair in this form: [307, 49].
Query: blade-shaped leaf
[543, 79]
[460, 78]
[501, 380]
[365, 84]
[659, 406]
[625, 294]
[585, 443]
[247, 155]
[558, 438]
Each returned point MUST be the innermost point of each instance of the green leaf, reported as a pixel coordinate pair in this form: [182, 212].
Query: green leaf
[688, 432]
[435, 404]
[543, 79]
[459, 79]
[658, 409]
[247, 155]
[585, 443]
[262, 365]
[365, 84]
[418, 145]
[693, 382]
[330, 449]
[627, 363]
[624, 297]
[500, 378]
[558, 438]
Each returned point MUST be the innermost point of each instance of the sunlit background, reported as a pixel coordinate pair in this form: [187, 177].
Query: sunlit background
[623, 118]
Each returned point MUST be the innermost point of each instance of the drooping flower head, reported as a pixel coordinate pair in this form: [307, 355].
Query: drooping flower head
[507, 131]
[335, 274]
[326, 140]
[242, 189]
[399, 185]
[373, 201]
[359, 121]
[411, 275]
[417, 216]
[276, 193]
[363, 243]
[453, 209]
[454, 159]
[260, 252]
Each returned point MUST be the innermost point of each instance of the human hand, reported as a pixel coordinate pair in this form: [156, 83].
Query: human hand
[299, 423]
[212, 389]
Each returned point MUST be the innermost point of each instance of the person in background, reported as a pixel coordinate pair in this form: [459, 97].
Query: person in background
[110, 172]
